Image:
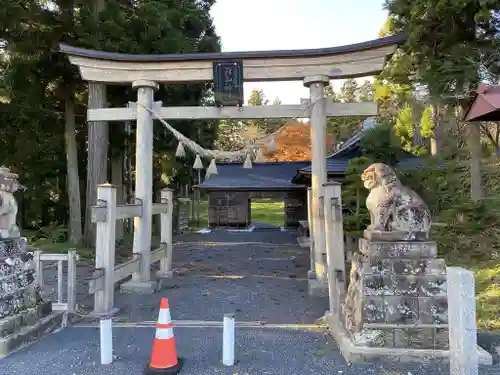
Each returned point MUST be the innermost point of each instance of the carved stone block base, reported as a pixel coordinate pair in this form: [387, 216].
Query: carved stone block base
[398, 249]
[397, 296]
[139, 287]
[378, 235]
[357, 351]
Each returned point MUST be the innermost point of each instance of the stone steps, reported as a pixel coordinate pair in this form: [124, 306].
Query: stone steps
[28, 326]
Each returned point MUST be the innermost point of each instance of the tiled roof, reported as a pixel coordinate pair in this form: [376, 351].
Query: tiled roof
[339, 166]
[262, 176]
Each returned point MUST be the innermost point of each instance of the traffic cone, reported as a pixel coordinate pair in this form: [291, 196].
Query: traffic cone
[164, 358]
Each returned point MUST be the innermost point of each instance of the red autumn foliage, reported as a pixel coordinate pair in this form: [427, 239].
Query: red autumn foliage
[293, 143]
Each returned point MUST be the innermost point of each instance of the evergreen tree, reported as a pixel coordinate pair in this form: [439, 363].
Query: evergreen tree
[257, 98]
[46, 97]
[427, 122]
[404, 127]
[275, 123]
[349, 91]
[366, 92]
[452, 46]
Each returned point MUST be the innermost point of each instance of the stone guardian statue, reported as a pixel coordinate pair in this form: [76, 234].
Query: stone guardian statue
[8, 205]
[397, 213]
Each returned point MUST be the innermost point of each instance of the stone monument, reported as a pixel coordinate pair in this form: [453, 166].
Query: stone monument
[23, 312]
[397, 292]
[396, 305]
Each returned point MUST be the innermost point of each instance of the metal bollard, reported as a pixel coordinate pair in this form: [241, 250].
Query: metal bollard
[228, 340]
[106, 328]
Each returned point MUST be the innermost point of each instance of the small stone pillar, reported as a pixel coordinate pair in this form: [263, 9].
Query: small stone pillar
[316, 84]
[334, 245]
[311, 274]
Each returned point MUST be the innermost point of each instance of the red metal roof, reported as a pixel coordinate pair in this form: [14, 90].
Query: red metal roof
[486, 104]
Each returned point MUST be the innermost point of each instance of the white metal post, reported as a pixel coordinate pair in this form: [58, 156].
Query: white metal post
[71, 298]
[106, 340]
[166, 237]
[228, 340]
[105, 249]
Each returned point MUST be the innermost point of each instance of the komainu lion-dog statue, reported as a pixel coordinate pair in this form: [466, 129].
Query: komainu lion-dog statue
[8, 204]
[397, 213]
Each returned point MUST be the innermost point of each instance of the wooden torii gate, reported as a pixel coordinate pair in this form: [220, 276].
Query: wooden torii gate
[315, 67]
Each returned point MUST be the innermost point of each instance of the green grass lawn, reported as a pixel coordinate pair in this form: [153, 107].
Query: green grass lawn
[263, 211]
[268, 212]
[487, 295]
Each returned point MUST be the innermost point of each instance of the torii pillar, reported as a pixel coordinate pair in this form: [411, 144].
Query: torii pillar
[141, 281]
[318, 283]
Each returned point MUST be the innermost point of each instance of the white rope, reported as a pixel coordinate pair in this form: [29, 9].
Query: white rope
[218, 154]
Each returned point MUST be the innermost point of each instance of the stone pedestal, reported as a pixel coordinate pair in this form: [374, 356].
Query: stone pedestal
[396, 305]
[24, 315]
[397, 296]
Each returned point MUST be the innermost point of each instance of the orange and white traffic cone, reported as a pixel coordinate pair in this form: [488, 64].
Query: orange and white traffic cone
[164, 360]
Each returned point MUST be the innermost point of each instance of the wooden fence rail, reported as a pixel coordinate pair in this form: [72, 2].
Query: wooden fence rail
[107, 273]
[70, 258]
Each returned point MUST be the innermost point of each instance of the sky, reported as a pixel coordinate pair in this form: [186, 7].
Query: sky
[256, 25]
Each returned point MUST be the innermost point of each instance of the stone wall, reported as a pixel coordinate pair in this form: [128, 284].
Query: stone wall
[18, 291]
[397, 296]
[21, 303]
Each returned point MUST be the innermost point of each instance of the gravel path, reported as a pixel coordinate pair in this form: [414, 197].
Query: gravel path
[260, 276]
[75, 351]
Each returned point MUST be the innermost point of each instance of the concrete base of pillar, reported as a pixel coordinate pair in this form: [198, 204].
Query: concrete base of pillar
[317, 288]
[114, 311]
[139, 287]
[165, 275]
[165, 279]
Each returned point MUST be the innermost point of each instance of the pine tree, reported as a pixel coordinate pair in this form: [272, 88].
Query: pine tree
[427, 123]
[258, 98]
[349, 91]
[366, 92]
[404, 127]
